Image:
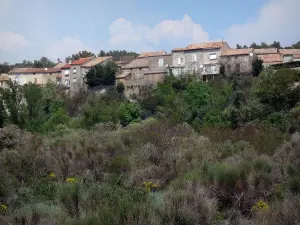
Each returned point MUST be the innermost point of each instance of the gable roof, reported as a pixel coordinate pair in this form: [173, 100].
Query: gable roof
[271, 58]
[60, 65]
[34, 70]
[67, 66]
[261, 51]
[137, 63]
[96, 61]
[242, 51]
[289, 51]
[123, 74]
[81, 61]
[149, 54]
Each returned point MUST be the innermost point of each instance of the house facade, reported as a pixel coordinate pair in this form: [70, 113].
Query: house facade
[203, 58]
[79, 68]
[288, 55]
[143, 73]
[270, 59]
[238, 61]
[40, 76]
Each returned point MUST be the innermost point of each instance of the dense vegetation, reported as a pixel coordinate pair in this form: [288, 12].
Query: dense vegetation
[275, 44]
[223, 152]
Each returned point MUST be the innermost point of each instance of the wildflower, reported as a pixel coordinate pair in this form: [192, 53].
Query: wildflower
[71, 180]
[150, 187]
[261, 206]
[52, 175]
[3, 207]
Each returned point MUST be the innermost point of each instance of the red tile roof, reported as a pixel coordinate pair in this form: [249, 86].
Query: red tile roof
[81, 61]
[289, 51]
[60, 65]
[271, 58]
[67, 66]
[149, 54]
[243, 51]
[178, 49]
[262, 51]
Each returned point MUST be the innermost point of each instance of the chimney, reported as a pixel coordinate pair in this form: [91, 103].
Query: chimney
[70, 61]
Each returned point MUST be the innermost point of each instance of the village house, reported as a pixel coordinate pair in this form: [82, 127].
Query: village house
[74, 72]
[203, 59]
[238, 61]
[265, 51]
[40, 76]
[270, 59]
[289, 55]
[144, 72]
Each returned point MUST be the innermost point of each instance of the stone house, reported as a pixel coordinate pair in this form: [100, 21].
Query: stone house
[238, 61]
[78, 69]
[143, 73]
[203, 58]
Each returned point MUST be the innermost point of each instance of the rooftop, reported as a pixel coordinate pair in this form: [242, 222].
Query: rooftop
[243, 51]
[289, 51]
[262, 51]
[296, 56]
[35, 70]
[60, 65]
[207, 45]
[137, 63]
[81, 61]
[149, 54]
[271, 58]
[123, 74]
[96, 61]
[67, 66]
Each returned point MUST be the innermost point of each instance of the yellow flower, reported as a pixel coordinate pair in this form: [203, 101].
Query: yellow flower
[261, 206]
[52, 175]
[3, 207]
[71, 180]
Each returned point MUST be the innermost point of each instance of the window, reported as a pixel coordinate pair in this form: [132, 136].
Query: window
[161, 62]
[213, 56]
[194, 58]
[74, 80]
[74, 70]
[67, 72]
[33, 73]
[180, 60]
[238, 68]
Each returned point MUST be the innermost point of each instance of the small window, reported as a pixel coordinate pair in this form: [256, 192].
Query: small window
[33, 73]
[74, 80]
[50, 73]
[213, 56]
[67, 72]
[194, 58]
[161, 62]
[74, 70]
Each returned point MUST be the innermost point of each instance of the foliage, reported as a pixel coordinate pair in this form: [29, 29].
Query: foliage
[102, 75]
[257, 67]
[80, 54]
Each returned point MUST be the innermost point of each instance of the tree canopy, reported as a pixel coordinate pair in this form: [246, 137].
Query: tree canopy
[102, 74]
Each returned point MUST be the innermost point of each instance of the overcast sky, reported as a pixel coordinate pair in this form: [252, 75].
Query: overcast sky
[57, 28]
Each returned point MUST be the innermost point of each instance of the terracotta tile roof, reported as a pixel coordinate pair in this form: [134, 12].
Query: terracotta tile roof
[271, 58]
[243, 51]
[123, 74]
[178, 49]
[289, 51]
[149, 54]
[60, 65]
[96, 61]
[296, 56]
[207, 45]
[67, 66]
[262, 51]
[137, 63]
[81, 61]
[35, 70]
